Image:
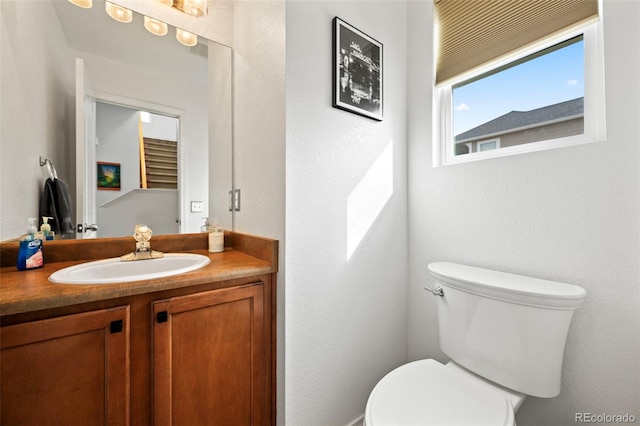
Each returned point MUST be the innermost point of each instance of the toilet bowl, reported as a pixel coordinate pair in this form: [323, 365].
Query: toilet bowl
[428, 393]
[505, 335]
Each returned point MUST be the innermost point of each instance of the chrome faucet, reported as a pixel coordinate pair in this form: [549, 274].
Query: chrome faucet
[142, 235]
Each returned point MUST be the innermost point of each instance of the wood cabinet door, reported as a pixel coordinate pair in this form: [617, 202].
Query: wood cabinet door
[70, 370]
[209, 366]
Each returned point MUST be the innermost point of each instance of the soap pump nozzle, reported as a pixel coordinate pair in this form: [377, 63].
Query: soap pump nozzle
[45, 223]
[31, 228]
[45, 228]
[207, 225]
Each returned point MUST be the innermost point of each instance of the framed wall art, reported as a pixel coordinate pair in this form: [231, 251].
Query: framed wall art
[109, 176]
[357, 71]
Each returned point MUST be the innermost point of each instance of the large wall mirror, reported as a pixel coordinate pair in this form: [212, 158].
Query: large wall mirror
[132, 90]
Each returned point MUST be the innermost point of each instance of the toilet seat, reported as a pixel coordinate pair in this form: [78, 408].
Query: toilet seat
[427, 393]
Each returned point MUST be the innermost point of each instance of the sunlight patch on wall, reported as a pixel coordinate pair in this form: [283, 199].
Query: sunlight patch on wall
[368, 198]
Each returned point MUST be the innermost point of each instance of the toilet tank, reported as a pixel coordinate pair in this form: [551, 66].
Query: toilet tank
[508, 328]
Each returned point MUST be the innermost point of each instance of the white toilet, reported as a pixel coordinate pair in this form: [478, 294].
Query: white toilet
[505, 335]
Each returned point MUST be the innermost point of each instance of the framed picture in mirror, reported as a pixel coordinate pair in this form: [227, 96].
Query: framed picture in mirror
[357, 71]
[108, 176]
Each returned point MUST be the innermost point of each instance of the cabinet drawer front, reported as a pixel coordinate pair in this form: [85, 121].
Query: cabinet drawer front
[209, 363]
[66, 370]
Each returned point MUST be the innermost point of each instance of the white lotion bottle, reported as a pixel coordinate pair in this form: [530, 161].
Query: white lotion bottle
[216, 238]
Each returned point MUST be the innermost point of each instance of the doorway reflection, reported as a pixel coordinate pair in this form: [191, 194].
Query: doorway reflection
[144, 145]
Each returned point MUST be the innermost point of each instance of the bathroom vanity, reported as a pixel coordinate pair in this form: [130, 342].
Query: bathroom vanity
[195, 348]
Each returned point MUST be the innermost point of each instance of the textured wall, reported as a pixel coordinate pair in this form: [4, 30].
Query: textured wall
[345, 315]
[569, 214]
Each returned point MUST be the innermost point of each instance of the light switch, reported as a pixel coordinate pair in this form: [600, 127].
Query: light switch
[236, 200]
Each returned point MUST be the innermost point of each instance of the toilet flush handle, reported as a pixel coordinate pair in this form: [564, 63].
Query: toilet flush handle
[438, 291]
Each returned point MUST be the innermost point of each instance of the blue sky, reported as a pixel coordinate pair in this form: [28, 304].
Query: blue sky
[555, 77]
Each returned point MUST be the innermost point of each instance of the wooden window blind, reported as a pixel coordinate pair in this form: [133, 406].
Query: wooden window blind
[471, 33]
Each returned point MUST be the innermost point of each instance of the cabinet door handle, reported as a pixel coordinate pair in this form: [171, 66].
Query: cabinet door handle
[115, 326]
[162, 316]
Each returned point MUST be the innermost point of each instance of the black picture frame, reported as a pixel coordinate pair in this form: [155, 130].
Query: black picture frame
[357, 71]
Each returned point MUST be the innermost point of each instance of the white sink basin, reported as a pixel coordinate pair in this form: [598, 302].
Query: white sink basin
[113, 270]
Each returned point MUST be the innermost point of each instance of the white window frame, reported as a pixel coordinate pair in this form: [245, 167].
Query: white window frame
[594, 101]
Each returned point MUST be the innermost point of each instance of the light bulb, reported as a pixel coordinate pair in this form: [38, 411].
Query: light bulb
[186, 38]
[196, 8]
[118, 13]
[82, 3]
[155, 27]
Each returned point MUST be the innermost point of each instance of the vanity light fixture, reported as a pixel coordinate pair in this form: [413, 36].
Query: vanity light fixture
[195, 8]
[186, 38]
[86, 4]
[118, 13]
[156, 27]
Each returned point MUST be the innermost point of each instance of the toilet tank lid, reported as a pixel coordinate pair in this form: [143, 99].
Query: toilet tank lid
[509, 287]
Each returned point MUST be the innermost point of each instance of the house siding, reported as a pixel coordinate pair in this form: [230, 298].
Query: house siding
[524, 136]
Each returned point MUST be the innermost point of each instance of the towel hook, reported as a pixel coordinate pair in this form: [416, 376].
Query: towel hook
[53, 174]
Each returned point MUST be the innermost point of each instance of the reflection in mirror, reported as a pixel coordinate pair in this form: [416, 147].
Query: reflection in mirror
[144, 148]
[124, 65]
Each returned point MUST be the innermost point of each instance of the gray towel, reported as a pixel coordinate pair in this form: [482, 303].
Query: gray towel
[55, 203]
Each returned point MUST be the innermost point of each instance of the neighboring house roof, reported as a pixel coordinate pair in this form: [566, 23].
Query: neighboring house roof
[523, 119]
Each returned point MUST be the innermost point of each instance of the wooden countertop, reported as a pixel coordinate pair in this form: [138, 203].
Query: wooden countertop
[26, 291]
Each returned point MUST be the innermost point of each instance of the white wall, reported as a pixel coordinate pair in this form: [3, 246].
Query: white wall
[345, 316]
[37, 107]
[259, 132]
[117, 135]
[156, 208]
[220, 79]
[570, 214]
[259, 137]
[160, 127]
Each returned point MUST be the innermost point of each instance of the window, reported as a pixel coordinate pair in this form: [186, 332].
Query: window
[547, 95]
[488, 145]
